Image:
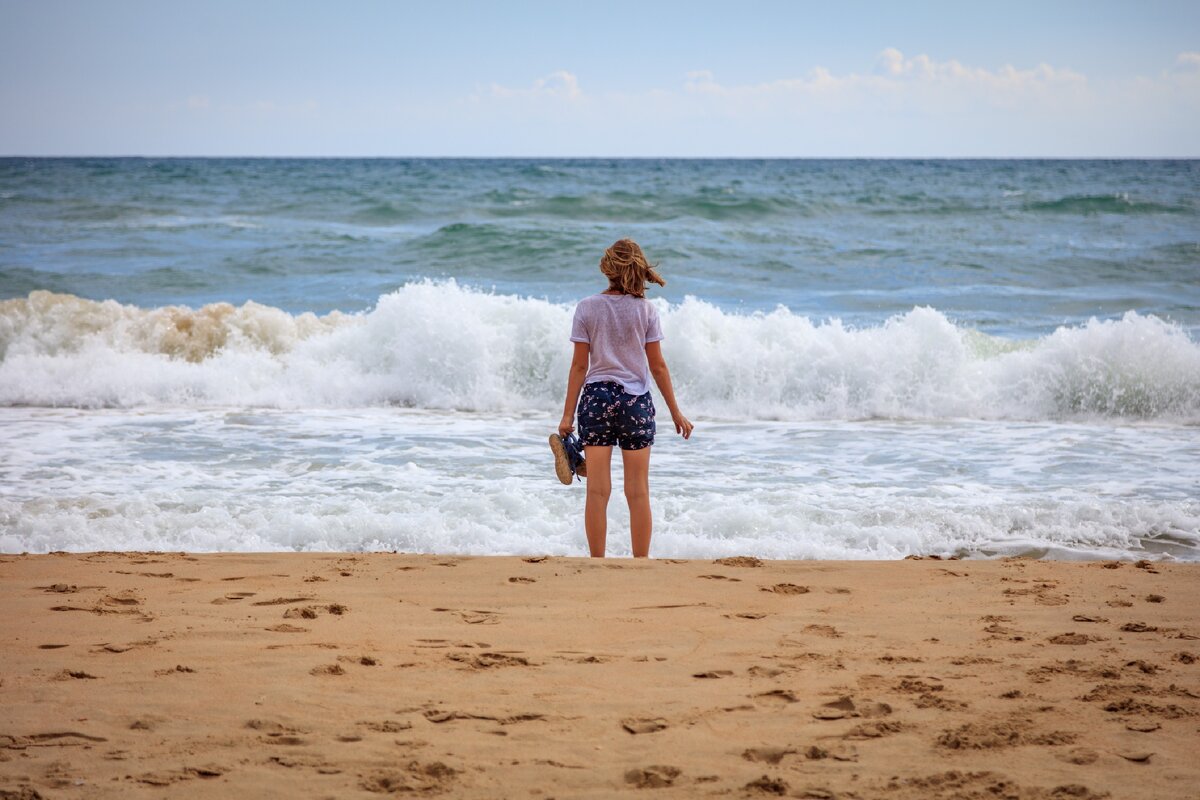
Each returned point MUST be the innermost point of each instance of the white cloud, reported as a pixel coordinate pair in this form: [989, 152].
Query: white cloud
[897, 73]
[1188, 61]
[558, 84]
[899, 105]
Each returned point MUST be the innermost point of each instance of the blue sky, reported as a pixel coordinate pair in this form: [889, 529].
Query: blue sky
[776, 79]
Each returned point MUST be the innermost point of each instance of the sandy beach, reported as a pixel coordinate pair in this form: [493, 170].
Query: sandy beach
[339, 675]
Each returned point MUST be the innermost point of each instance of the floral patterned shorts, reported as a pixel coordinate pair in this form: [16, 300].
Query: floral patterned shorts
[608, 416]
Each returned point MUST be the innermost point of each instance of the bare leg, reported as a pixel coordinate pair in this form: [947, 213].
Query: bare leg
[599, 487]
[637, 493]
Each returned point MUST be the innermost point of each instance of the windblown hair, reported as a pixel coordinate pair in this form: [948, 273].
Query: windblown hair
[627, 270]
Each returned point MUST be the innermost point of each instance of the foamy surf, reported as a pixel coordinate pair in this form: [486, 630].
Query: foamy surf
[454, 482]
[441, 345]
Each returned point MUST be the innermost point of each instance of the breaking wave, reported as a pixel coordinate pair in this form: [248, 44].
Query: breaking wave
[441, 345]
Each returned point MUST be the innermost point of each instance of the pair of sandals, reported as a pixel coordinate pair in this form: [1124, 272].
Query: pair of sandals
[568, 457]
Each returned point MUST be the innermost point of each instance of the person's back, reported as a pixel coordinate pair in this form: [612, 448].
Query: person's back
[617, 335]
[617, 328]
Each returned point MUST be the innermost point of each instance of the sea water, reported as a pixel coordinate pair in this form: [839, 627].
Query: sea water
[882, 358]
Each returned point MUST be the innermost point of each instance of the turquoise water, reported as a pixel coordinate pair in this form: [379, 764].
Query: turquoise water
[883, 357]
[1009, 247]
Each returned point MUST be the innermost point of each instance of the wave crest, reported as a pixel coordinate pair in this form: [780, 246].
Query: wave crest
[440, 345]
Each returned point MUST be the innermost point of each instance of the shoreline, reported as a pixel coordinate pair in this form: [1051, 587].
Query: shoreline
[366, 674]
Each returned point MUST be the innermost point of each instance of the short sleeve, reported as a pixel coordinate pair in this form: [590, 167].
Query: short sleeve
[653, 327]
[578, 328]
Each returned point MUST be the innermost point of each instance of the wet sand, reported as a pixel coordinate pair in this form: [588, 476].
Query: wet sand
[362, 675]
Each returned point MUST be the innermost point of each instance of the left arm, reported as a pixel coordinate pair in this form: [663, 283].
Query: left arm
[579, 368]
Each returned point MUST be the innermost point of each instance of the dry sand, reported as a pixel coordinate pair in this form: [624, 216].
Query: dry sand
[331, 675]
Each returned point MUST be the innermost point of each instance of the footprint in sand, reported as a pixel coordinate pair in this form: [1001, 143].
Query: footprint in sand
[963, 784]
[284, 739]
[894, 659]
[766, 755]
[232, 597]
[768, 785]
[846, 707]
[365, 661]
[1011, 732]
[739, 561]
[1073, 638]
[657, 776]
[315, 763]
[271, 727]
[1079, 755]
[1142, 726]
[64, 737]
[785, 588]
[840, 752]
[522, 579]
[873, 730]
[777, 697]
[387, 726]
[593, 659]
[644, 725]
[125, 648]
[173, 670]
[1124, 699]
[416, 778]
[915, 685]
[328, 669]
[312, 612]
[930, 700]
[721, 578]
[827, 631]
[167, 777]
[758, 671]
[123, 599]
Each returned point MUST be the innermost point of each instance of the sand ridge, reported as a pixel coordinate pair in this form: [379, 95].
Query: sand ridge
[363, 675]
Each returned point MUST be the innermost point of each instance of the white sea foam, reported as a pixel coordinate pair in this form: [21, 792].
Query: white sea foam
[449, 482]
[440, 345]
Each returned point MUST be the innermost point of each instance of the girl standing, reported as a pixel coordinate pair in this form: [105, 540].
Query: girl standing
[617, 340]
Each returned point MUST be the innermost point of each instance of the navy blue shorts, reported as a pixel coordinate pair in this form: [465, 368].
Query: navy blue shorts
[608, 415]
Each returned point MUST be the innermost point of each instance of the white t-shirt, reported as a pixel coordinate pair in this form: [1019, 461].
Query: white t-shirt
[617, 327]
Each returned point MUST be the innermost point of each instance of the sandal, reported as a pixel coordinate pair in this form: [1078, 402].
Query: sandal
[568, 457]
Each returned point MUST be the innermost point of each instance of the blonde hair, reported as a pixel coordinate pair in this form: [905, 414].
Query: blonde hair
[626, 267]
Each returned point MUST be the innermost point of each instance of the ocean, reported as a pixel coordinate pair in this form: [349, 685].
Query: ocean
[882, 357]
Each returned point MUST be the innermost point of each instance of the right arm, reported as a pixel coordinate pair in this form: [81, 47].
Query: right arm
[579, 368]
[662, 377]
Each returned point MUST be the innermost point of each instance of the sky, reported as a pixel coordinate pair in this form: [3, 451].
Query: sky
[613, 79]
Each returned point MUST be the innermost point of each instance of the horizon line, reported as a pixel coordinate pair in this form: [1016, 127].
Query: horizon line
[616, 158]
